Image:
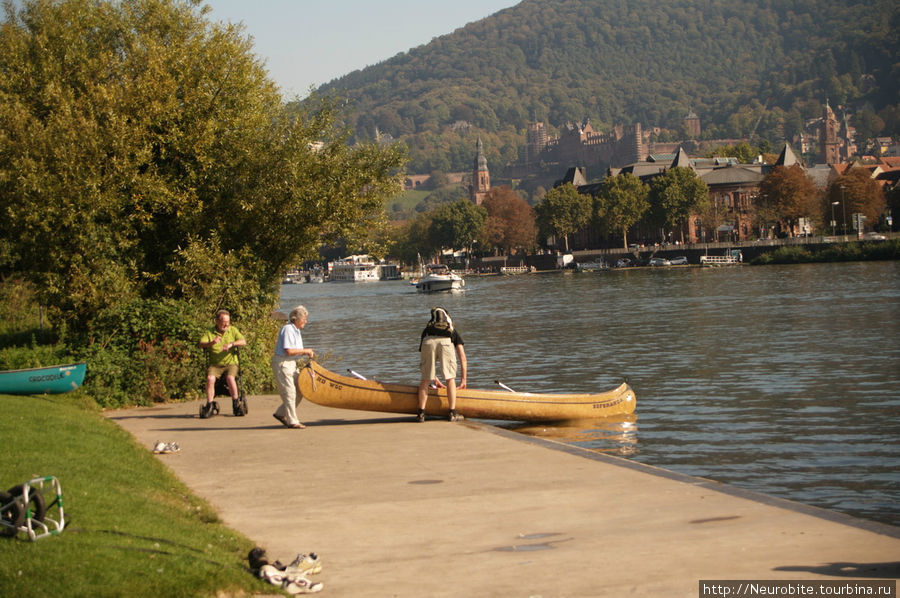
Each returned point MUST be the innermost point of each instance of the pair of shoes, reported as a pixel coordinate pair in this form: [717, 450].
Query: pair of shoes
[420, 417]
[163, 448]
[289, 582]
[210, 409]
[454, 416]
[305, 564]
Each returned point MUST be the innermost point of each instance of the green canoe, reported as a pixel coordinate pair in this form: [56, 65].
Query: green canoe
[47, 380]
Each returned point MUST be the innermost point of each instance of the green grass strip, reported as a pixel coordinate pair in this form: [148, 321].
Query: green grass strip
[133, 529]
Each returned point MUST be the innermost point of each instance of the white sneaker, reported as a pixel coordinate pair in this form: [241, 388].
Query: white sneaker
[163, 448]
[305, 564]
[297, 584]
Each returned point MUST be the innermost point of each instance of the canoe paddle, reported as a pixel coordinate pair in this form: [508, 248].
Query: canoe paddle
[355, 375]
[503, 386]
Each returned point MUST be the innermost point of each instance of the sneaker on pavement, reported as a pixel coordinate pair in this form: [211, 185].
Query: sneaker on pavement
[305, 564]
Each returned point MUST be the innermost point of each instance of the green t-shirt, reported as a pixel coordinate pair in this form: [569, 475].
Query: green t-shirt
[217, 356]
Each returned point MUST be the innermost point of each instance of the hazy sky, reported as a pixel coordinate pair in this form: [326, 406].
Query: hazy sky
[310, 42]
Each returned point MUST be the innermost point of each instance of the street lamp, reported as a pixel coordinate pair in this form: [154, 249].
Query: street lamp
[834, 203]
[844, 208]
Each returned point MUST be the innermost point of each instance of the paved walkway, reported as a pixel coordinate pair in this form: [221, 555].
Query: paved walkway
[396, 508]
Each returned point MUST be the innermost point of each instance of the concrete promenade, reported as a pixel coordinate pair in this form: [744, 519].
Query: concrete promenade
[397, 508]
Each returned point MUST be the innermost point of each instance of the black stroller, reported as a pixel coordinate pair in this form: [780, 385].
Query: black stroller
[238, 405]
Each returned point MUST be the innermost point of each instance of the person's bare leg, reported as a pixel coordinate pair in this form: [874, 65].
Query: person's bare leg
[210, 388]
[451, 393]
[232, 386]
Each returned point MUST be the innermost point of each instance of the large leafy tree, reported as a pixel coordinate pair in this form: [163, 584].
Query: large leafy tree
[145, 153]
[856, 193]
[788, 194]
[563, 211]
[510, 220]
[620, 204]
[457, 224]
[675, 195]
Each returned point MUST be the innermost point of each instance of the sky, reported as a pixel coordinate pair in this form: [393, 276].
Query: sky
[310, 42]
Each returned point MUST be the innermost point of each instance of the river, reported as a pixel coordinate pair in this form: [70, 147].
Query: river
[780, 379]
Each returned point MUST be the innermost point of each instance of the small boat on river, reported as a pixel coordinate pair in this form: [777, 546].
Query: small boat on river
[45, 380]
[328, 389]
[439, 277]
[592, 266]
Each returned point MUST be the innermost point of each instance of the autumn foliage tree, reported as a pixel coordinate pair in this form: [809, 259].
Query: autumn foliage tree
[788, 194]
[857, 193]
[510, 220]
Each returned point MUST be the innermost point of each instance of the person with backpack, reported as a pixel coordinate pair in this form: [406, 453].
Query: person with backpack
[440, 341]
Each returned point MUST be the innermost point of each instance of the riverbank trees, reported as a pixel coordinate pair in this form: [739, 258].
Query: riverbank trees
[563, 211]
[855, 192]
[620, 204]
[150, 174]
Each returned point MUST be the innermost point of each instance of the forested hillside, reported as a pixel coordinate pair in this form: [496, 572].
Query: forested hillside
[748, 68]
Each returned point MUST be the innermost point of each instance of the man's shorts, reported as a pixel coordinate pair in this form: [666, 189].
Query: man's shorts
[218, 370]
[437, 348]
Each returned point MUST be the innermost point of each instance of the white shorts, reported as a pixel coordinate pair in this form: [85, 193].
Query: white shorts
[437, 348]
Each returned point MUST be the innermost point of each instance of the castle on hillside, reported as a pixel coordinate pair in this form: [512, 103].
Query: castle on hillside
[579, 143]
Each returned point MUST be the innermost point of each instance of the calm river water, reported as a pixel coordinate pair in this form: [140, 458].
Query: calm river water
[779, 379]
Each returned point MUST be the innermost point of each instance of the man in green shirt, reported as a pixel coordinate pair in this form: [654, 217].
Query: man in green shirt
[219, 341]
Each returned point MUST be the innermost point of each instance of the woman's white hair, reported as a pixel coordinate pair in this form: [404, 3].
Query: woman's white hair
[298, 313]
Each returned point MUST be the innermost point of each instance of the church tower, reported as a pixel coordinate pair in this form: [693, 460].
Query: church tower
[481, 178]
[829, 144]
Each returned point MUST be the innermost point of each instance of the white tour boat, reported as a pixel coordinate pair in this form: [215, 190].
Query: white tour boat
[439, 277]
[354, 268]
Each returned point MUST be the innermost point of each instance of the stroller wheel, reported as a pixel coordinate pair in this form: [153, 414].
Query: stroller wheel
[12, 514]
[239, 406]
[35, 501]
[209, 409]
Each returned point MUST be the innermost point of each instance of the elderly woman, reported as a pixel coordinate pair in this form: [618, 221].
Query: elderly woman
[288, 350]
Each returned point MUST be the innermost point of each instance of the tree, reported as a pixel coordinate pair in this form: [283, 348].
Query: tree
[510, 220]
[857, 193]
[412, 239]
[620, 204]
[743, 152]
[563, 211]
[789, 194]
[456, 225]
[675, 195]
[138, 138]
[150, 173]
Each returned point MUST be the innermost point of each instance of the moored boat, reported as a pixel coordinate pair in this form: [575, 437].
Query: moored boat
[592, 266]
[329, 389]
[45, 380]
[439, 277]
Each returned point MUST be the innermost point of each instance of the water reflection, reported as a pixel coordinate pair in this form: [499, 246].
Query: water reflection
[613, 435]
[778, 379]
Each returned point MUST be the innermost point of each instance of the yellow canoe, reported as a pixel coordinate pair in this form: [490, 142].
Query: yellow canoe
[326, 388]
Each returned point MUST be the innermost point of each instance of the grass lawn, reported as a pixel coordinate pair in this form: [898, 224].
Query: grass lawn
[133, 529]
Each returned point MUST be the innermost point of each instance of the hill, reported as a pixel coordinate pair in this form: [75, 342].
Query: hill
[748, 68]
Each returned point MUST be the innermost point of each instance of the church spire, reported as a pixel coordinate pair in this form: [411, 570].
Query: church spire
[481, 177]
